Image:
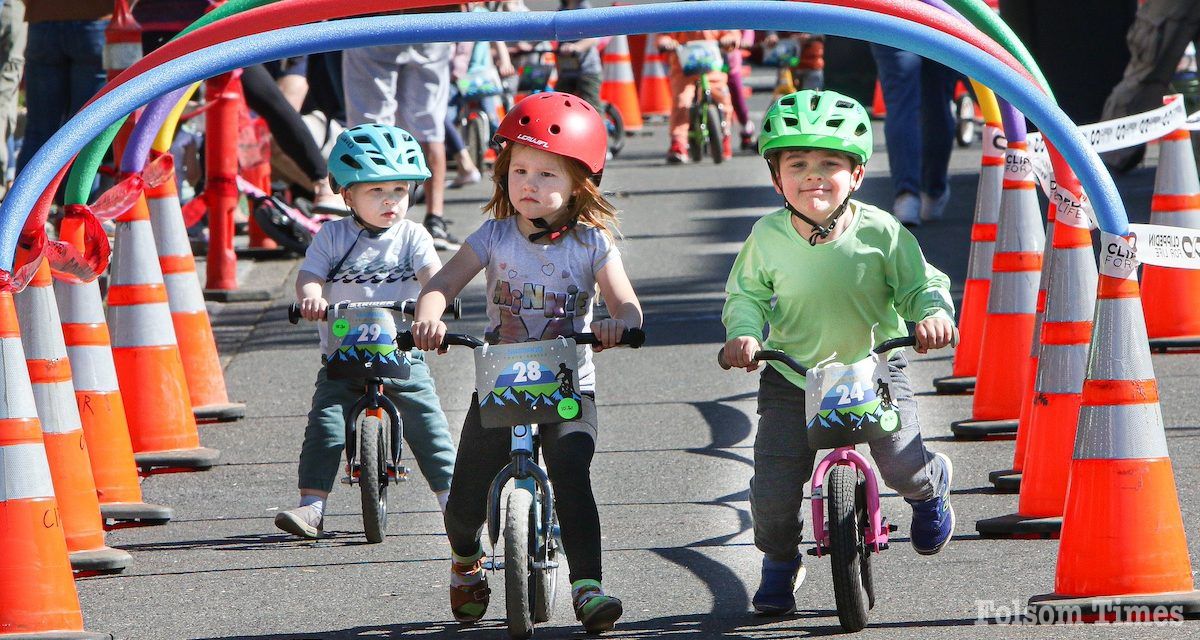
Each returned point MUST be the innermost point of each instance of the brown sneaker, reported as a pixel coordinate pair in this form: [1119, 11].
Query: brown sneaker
[469, 592]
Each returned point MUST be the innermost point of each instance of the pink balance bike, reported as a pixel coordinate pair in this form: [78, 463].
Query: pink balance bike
[845, 482]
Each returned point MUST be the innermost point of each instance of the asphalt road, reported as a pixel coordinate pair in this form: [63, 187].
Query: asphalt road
[670, 474]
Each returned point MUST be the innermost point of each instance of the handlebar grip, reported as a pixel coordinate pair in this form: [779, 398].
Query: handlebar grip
[634, 337]
[896, 343]
[294, 313]
[409, 308]
[721, 359]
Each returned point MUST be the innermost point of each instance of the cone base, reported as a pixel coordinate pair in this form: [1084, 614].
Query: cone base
[224, 412]
[118, 514]
[954, 385]
[102, 560]
[237, 295]
[1160, 345]
[1006, 480]
[985, 429]
[1124, 608]
[1015, 525]
[198, 459]
[58, 635]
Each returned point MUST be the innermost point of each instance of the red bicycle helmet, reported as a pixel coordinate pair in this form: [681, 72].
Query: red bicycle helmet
[560, 123]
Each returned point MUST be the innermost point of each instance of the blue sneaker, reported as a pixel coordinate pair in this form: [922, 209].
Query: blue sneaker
[776, 595]
[933, 519]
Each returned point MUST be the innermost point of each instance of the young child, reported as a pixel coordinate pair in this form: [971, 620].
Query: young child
[374, 254]
[683, 88]
[549, 231]
[842, 274]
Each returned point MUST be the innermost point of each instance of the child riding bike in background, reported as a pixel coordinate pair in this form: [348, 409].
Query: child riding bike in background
[844, 276]
[683, 88]
[546, 250]
[373, 254]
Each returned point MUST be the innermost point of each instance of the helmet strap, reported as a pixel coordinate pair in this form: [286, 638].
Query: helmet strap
[553, 233]
[372, 230]
[819, 231]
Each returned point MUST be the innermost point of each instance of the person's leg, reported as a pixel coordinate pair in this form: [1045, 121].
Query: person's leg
[568, 449]
[482, 453]
[736, 91]
[47, 87]
[370, 76]
[899, 76]
[12, 62]
[683, 90]
[423, 93]
[86, 50]
[286, 125]
[425, 428]
[938, 128]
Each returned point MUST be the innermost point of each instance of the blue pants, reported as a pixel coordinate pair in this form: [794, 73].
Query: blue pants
[919, 128]
[64, 67]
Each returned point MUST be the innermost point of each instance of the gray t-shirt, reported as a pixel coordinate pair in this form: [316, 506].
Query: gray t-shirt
[541, 291]
[382, 268]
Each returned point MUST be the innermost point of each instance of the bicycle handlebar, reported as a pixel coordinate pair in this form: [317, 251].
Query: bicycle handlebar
[407, 307]
[632, 338]
[779, 356]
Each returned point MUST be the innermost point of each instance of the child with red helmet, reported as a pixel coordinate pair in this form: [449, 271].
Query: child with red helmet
[549, 232]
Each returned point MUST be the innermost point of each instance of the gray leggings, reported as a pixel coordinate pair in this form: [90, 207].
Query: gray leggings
[783, 462]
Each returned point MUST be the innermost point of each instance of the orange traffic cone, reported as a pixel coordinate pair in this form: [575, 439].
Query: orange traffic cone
[161, 425]
[878, 106]
[1065, 334]
[618, 88]
[62, 431]
[654, 92]
[37, 594]
[1009, 480]
[979, 265]
[1171, 297]
[1123, 554]
[193, 331]
[1012, 302]
[101, 409]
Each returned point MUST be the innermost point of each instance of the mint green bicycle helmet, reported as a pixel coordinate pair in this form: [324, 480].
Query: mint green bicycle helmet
[817, 120]
[375, 153]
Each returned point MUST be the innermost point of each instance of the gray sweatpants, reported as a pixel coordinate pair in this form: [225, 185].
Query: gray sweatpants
[783, 461]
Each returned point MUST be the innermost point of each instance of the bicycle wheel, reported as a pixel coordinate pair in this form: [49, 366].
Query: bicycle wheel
[545, 581]
[616, 129]
[372, 476]
[846, 545]
[476, 134]
[281, 228]
[716, 134]
[517, 592]
[696, 133]
[964, 116]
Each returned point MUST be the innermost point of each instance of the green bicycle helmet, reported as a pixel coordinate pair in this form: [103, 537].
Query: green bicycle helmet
[817, 120]
[375, 153]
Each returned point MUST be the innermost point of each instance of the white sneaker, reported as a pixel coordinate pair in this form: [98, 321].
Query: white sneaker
[932, 208]
[304, 522]
[907, 209]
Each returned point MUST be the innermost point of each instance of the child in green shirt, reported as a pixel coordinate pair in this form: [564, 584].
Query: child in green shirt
[829, 275]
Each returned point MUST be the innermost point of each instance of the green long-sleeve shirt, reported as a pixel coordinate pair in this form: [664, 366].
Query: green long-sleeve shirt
[827, 297]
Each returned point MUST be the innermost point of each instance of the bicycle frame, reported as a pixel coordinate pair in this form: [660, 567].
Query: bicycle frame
[374, 403]
[877, 535]
[527, 476]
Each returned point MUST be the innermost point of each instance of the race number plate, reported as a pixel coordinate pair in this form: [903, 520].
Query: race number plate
[366, 345]
[849, 404]
[527, 383]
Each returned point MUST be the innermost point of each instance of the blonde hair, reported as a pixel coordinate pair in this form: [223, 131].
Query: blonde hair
[587, 206]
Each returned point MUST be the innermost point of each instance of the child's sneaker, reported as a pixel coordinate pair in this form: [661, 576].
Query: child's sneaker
[933, 519]
[596, 610]
[469, 592]
[776, 595]
[749, 142]
[305, 521]
[677, 154]
[727, 147]
[907, 209]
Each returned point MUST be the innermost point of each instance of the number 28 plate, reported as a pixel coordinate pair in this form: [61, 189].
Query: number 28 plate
[527, 383]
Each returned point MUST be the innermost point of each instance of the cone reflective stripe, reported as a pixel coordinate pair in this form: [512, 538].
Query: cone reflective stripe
[161, 425]
[189, 316]
[654, 91]
[37, 591]
[979, 265]
[1012, 303]
[101, 409]
[122, 41]
[1171, 297]
[619, 87]
[62, 431]
[1122, 533]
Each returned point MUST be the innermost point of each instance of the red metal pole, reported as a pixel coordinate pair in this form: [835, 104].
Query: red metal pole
[220, 169]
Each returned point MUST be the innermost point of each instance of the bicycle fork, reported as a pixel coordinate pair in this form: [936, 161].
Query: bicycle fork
[876, 535]
[527, 476]
[374, 403]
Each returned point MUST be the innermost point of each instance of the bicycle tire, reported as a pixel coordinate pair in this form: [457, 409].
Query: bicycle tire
[964, 117]
[616, 128]
[866, 553]
[716, 134]
[845, 542]
[372, 476]
[545, 581]
[282, 229]
[476, 132]
[696, 133]
[518, 594]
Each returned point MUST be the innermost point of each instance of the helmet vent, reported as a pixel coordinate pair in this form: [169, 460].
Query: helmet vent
[555, 129]
[362, 139]
[524, 120]
[567, 103]
[788, 100]
[814, 101]
[349, 160]
[842, 104]
[834, 123]
[767, 126]
[862, 128]
[390, 140]
[790, 121]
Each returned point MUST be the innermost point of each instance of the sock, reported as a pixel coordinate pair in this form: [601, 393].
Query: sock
[461, 579]
[580, 585]
[316, 502]
[442, 497]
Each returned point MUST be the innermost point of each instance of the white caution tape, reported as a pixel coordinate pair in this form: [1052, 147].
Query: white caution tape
[1193, 122]
[1165, 246]
[1118, 258]
[1129, 131]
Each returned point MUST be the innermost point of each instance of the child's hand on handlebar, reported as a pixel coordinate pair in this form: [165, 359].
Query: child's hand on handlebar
[429, 334]
[739, 353]
[730, 41]
[313, 308]
[668, 44]
[609, 332]
[935, 333]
